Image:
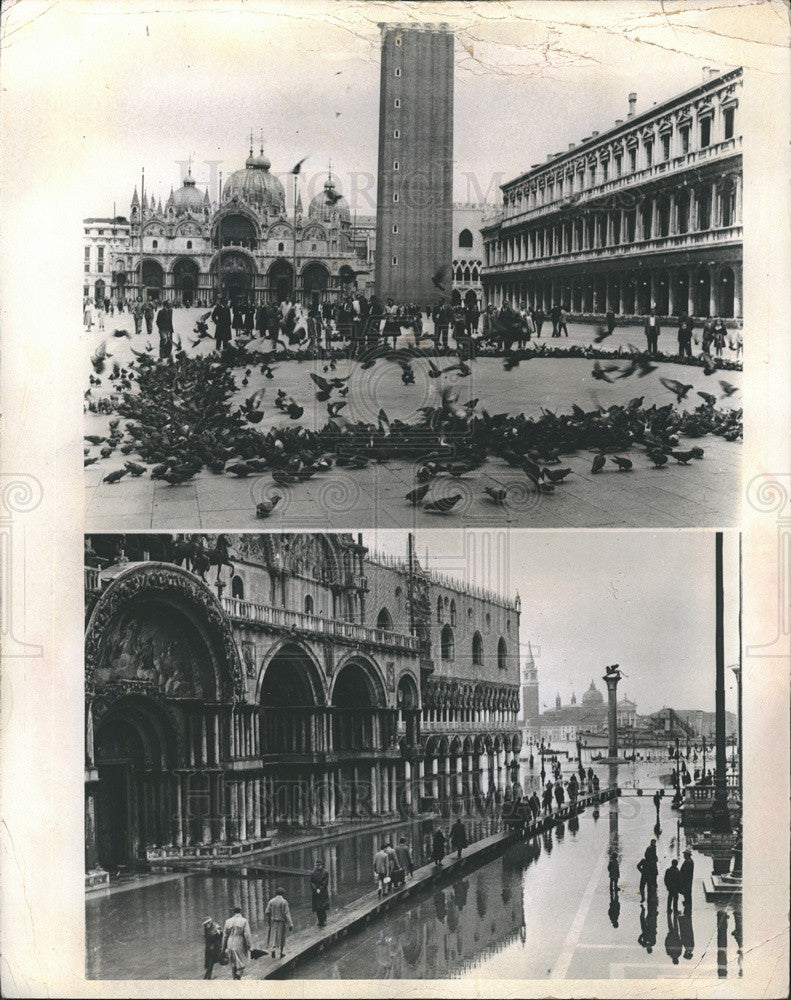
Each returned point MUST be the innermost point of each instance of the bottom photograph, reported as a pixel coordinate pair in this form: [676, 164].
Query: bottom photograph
[413, 755]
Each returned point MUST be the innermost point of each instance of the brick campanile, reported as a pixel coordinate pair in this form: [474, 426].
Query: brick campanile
[414, 211]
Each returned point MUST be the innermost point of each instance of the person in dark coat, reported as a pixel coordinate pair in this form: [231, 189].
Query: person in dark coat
[647, 866]
[652, 332]
[538, 320]
[657, 802]
[238, 318]
[609, 319]
[685, 328]
[261, 321]
[673, 885]
[686, 874]
[212, 946]
[438, 846]
[148, 316]
[560, 795]
[320, 891]
[221, 317]
[249, 319]
[404, 856]
[458, 837]
[165, 328]
[554, 315]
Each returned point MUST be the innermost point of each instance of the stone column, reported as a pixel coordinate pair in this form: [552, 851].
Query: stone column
[385, 788]
[179, 838]
[333, 812]
[611, 679]
[737, 291]
[251, 797]
[421, 778]
[374, 790]
[219, 799]
[713, 281]
[393, 789]
[459, 776]
[408, 785]
[435, 777]
[483, 780]
[652, 279]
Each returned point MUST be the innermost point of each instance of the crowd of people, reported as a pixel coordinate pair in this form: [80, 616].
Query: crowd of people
[358, 320]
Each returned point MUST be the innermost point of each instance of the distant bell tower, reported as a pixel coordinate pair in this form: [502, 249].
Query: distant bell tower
[414, 210]
[530, 711]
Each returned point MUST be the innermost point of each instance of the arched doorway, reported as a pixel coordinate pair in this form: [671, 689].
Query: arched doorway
[281, 280]
[471, 299]
[361, 729]
[135, 754]
[235, 274]
[185, 280]
[98, 293]
[355, 696]
[315, 282]
[408, 710]
[153, 279]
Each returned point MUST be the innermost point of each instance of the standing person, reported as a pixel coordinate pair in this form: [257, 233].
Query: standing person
[459, 323]
[560, 795]
[554, 315]
[165, 328]
[614, 871]
[404, 856]
[562, 321]
[278, 914]
[609, 319]
[320, 891]
[647, 866]
[673, 885]
[458, 837]
[100, 317]
[657, 801]
[249, 318]
[686, 874]
[438, 846]
[538, 319]
[652, 331]
[221, 317]
[685, 328]
[382, 869]
[392, 860]
[720, 334]
[707, 336]
[237, 942]
[148, 316]
[212, 946]
[137, 315]
[238, 318]
[473, 316]
[87, 314]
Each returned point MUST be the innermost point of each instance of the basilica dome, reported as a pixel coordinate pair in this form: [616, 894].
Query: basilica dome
[187, 198]
[256, 186]
[329, 205]
[592, 696]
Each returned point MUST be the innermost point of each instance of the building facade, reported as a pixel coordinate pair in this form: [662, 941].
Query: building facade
[106, 242]
[301, 684]
[191, 249]
[467, 253]
[646, 214]
[415, 171]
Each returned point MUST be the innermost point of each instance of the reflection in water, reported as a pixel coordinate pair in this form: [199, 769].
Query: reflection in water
[614, 910]
[686, 932]
[673, 937]
[648, 916]
[722, 943]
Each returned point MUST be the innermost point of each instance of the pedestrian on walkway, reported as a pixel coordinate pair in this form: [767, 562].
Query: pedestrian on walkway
[647, 866]
[438, 847]
[535, 805]
[382, 870]
[609, 319]
[137, 315]
[614, 871]
[686, 874]
[236, 941]
[657, 801]
[652, 332]
[212, 946]
[458, 837]
[221, 317]
[404, 856]
[392, 859]
[560, 795]
[320, 891]
[148, 316]
[673, 885]
[280, 923]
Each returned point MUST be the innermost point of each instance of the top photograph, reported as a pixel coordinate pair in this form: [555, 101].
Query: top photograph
[412, 273]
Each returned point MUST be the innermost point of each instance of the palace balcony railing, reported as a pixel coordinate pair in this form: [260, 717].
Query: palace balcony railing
[465, 727]
[692, 160]
[302, 621]
[723, 235]
[327, 731]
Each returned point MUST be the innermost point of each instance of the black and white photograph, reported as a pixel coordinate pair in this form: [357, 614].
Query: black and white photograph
[395, 498]
[311, 757]
[429, 280]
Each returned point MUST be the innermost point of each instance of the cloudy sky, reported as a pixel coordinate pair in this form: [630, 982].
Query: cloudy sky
[642, 599]
[98, 90]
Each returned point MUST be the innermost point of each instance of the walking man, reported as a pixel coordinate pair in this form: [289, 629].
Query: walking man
[165, 328]
[382, 869]
[404, 856]
[221, 317]
[657, 800]
[237, 942]
[280, 923]
[212, 946]
[458, 837]
[320, 892]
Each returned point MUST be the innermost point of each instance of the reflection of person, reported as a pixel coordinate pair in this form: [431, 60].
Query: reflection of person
[686, 933]
[320, 891]
[614, 910]
[673, 937]
[237, 942]
[647, 936]
[614, 871]
[212, 946]
[280, 923]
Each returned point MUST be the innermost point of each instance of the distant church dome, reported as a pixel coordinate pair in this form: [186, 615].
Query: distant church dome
[329, 205]
[257, 186]
[187, 198]
[592, 696]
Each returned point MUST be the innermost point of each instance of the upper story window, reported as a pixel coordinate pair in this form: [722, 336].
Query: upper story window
[87, 253]
[465, 239]
[649, 152]
[605, 169]
[398, 71]
[398, 41]
[237, 587]
[155, 244]
[395, 261]
[396, 165]
[665, 145]
[729, 122]
[308, 604]
[281, 247]
[446, 643]
[101, 252]
[189, 244]
[395, 196]
[395, 228]
[439, 610]
[618, 159]
[396, 133]
[453, 612]
[705, 132]
[633, 159]
[683, 134]
[397, 102]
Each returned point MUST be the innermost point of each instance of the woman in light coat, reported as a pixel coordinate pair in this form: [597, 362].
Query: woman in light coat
[280, 923]
[237, 942]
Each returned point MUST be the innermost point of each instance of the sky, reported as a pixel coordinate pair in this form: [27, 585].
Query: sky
[116, 87]
[642, 599]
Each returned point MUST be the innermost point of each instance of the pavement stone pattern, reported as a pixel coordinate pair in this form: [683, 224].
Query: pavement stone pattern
[706, 493]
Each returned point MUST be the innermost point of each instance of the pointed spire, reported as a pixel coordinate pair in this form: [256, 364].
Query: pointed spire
[159, 207]
[169, 202]
[251, 142]
[262, 142]
[145, 202]
[206, 199]
[135, 199]
[529, 661]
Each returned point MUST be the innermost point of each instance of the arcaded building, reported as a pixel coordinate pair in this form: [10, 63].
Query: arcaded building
[289, 681]
[647, 213]
[415, 173]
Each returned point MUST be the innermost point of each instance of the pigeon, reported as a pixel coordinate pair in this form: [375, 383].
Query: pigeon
[443, 504]
[556, 475]
[335, 407]
[679, 391]
[106, 451]
[238, 468]
[603, 373]
[282, 478]
[135, 468]
[265, 507]
[113, 477]
[601, 334]
[708, 398]
[659, 458]
[122, 333]
[624, 464]
[708, 364]
[727, 388]
[682, 457]
[697, 452]
[94, 438]
[177, 476]
[639, 364]
[498, 495]
[294, 411]
[297, 167]
[90, 461]
[99, 357]
[415, 496]
[598, 464]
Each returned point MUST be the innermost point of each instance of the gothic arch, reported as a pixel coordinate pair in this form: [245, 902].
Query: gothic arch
[311, 672]
[372, 674]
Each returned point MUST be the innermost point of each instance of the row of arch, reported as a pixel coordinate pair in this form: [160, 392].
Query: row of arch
[448, 648]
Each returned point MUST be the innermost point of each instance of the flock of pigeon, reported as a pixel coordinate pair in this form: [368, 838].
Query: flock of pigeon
[180, 418]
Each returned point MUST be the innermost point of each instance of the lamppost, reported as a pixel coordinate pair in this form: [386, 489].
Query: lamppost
[703, 775]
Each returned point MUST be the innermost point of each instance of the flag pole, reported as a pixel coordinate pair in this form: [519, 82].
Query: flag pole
[295, 239]
[142, 217]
